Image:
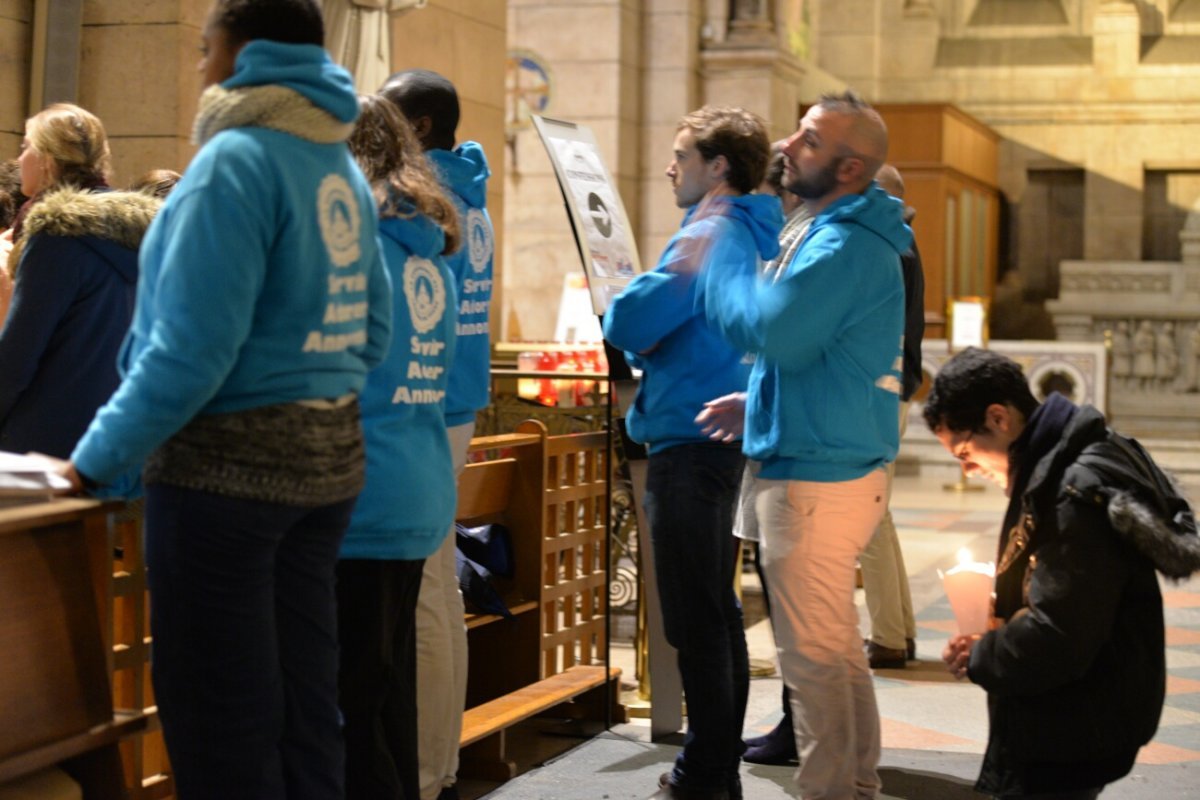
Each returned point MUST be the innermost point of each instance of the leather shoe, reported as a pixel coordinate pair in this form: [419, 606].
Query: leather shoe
[880, 657]
[669, 791]
[910, 645]
[776, 748]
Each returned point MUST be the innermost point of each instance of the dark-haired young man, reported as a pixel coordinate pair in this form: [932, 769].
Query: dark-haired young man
[1074, 666]
[430, 103]
[720, 157]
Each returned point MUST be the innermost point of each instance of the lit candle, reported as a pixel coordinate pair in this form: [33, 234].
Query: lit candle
[969, 588]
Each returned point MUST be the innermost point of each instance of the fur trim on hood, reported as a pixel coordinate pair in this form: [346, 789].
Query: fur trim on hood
[119, 217]
[1146, 506]
[1172, 545]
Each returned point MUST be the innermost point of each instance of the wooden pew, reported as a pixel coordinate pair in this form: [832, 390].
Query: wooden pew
[551, 493]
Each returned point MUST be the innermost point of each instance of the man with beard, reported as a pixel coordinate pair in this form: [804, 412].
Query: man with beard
[820, 426]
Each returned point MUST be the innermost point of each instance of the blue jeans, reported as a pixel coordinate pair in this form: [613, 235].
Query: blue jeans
[245, 644]
[691, 491]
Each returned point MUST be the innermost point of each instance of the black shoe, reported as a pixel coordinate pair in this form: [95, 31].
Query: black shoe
[669, 791]
[782, 729]
[911, 646]
[776, 748]
[448, 793]
[880, 657]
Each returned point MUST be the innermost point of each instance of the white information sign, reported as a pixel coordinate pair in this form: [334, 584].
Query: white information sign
[608, 250]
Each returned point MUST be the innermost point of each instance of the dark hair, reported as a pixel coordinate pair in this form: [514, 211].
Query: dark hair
[425, 93]
[11, 198]
[387, 151]
[736, 134]
[286, 21]
[970, 382]
[774, 173]
[156, 183]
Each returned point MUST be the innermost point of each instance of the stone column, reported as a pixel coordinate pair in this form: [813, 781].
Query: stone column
[1116, 38]
[16, 23]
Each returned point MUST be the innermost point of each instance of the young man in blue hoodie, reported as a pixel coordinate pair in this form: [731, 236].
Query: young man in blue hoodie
[430, 103]
[720, 157]
[820, 426]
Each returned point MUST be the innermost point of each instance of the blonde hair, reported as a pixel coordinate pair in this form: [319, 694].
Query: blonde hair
[386, 149]
[72, 142]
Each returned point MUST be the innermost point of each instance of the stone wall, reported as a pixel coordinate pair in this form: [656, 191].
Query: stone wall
[598, 78]
[465, 41]
[138, 74]
[16, 23]
[1104, 86]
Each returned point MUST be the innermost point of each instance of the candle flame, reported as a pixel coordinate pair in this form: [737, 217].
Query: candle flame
[964, 556]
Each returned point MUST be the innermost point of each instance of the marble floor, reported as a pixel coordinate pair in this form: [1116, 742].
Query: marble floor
[934, 728]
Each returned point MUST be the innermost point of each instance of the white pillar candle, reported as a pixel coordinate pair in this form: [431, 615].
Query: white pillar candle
[969, 588]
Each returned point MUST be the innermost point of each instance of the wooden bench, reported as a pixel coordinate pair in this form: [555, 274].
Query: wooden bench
[551, 493]
[55, 596]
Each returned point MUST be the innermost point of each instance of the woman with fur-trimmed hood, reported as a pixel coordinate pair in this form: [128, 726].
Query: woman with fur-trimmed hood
[74, 271]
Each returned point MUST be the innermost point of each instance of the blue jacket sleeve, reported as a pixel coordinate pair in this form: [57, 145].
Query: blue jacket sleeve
[793, 320]
[656, 303]
[44, 289]
[379, 319]
[193, 343]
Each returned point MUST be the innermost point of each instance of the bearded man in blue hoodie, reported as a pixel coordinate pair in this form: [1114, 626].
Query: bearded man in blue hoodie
[820, 426]
[720, 157]
[430, 103]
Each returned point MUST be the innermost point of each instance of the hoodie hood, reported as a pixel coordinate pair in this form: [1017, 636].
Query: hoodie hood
[1144, 505]
[875, 210]
[763, 215]
[109, 223]
[464, 170]
[416, 232]
[304, 68]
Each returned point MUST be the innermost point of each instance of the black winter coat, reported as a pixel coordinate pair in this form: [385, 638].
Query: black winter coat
[1076, 675]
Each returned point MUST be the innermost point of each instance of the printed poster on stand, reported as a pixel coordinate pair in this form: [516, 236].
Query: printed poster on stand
[602, 230]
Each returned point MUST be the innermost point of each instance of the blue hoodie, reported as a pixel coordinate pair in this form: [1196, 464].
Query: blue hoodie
[824, 393]
[408, 503]
[261, 279]
[685, 362]
[464, 173]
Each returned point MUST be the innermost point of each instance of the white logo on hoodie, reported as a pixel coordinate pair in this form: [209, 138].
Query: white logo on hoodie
[479, 239]
[340, 221]
[426, 293]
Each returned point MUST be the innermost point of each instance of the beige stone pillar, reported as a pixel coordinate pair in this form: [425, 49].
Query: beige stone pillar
[591, 52]
[466, 43]
[16, 23]
[138, 74]
[1116, 47]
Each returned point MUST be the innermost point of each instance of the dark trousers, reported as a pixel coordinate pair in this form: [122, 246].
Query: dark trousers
[691, 491]
[785, 724]
[1076, 794]
[245, 644]
[377, 627]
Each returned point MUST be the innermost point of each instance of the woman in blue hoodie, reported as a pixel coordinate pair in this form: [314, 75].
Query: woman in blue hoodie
[407, 505]
[262, 303]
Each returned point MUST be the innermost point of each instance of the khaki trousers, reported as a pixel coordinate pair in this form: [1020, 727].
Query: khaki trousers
[811, 536]
[885, 578]
[441, 653]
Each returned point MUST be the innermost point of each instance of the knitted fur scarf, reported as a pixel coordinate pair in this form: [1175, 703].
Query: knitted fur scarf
[276, 107]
